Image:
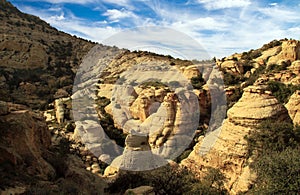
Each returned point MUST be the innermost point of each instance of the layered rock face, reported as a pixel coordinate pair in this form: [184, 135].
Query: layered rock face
[225, 148]
[293, 107]
[24, 139]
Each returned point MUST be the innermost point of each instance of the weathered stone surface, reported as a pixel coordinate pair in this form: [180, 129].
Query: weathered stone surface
[232, 66]
[225, 148]
[105, 90]
[261, 60]
[191, 71]
[254, 106]
[110, 171]
[59, 111]
[290, 50]
[295, 67]
[293, 107]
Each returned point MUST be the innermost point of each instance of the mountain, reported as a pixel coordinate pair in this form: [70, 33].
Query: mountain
[36, 59]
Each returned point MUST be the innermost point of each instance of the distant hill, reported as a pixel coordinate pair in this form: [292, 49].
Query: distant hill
[36, 59]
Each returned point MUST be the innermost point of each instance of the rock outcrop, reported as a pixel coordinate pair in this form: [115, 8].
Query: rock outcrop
[290, 51]
[232, 66]
[24, 139]
[145, 190]
[225, 148]
[293, 107]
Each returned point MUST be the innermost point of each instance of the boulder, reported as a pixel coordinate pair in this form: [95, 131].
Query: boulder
[233, 67]
[190, 71]
[293, 107]
[145, 190]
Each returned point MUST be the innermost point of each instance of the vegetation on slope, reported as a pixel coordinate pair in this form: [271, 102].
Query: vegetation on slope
[171, 180]
[275, 149]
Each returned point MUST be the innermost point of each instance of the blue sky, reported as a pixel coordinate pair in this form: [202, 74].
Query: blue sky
[222, 27]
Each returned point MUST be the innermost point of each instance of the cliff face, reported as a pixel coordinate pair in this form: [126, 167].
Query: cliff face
[24, 138]
[228, 152]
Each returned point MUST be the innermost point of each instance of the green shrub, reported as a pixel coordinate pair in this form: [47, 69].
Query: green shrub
[171, 180]
[271, 136]
[276, 67]
[272, 44]
[278, 172]
[197, 82]
[275, 149]
[281, 91]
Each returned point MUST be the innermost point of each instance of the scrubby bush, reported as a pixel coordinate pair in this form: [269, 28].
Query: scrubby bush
[171, 180]
[275, 150]
[276, 67]
[281, 91]
[197, 82]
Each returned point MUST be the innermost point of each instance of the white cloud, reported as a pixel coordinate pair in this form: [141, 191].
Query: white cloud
[273, 4]
[82, 2]
[115, 15]
[58, 17]
[281, 14]
[124, 3]
[221, 33]
[221, 4]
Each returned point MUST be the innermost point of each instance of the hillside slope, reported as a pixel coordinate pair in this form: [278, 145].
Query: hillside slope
[35, 59]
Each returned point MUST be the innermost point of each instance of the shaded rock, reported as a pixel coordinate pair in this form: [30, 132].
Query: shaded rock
[3, 108]
[145, 190]
[61, 93]
[24, 138]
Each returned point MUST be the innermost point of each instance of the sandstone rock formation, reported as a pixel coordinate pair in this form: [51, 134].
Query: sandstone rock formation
[290, 51]
[293, 107]
[261, 60]
[232, 66]
[190, 71]
[225, 148]
[59, 110]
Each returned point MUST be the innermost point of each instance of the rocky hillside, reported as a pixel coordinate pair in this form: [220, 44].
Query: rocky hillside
[146, 112]
[32, 161]
[38, 63]
[262, 85]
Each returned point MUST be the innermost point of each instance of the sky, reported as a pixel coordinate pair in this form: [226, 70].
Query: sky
[221, 27]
